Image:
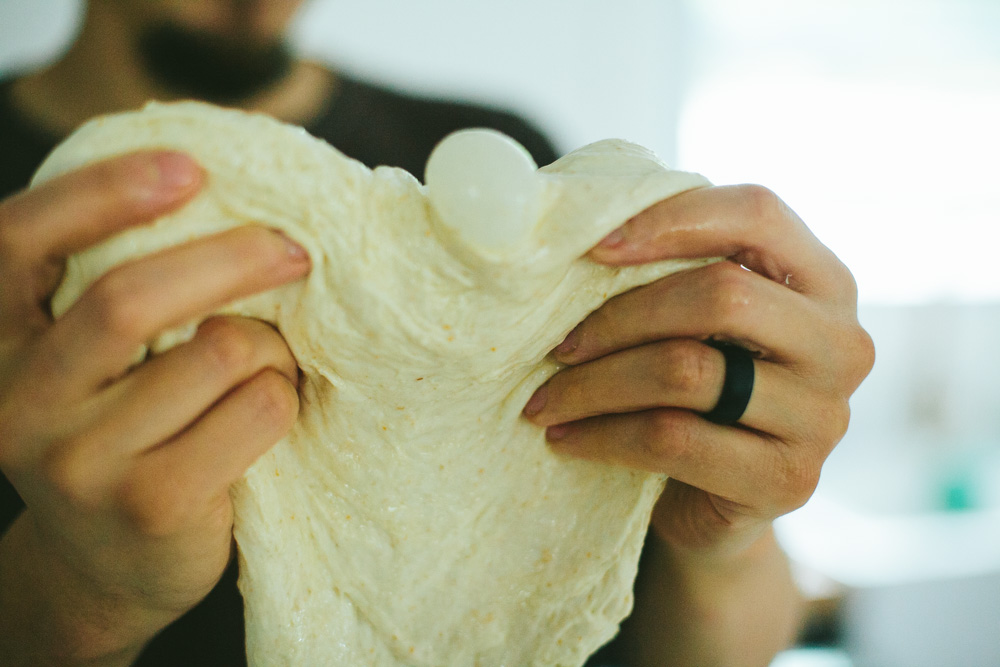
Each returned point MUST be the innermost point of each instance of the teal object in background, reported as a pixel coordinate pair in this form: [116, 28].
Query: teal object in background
[959, 491]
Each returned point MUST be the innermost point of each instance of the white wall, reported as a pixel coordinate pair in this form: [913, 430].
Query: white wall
[586, 69]
[876, 120]
[32, 30]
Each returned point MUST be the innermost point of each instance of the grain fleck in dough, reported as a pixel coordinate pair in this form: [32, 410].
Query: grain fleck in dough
[412, 516]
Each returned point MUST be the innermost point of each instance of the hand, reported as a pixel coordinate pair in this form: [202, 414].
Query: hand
[639, 375]
[125, 471]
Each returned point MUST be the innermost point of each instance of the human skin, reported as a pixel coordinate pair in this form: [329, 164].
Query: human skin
[124, 470]
[639, 376]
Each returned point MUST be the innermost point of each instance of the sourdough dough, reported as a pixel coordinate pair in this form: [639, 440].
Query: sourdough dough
[412, 516]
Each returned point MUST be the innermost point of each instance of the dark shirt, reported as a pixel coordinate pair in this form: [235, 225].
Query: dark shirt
[373, 124]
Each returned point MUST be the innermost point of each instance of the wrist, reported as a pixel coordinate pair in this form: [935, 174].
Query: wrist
[701, 607]
[755, 545]
[49, 615]
[711, 546]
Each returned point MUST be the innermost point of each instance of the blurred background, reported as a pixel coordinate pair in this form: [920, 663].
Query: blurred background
[878, 121]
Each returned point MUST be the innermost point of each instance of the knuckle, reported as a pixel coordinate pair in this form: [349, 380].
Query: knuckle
[799, 476]
[672, 437]
[73, 479]
[838, 421]
[685, 367]
[732, 295]
[865, 350]
[849, 284]
[114, 308]
[274, 401]
[229, 349]
[150, 510]
[850, 359]
[761, 203]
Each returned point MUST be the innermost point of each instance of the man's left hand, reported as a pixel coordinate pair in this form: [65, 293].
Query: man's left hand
[639, 374]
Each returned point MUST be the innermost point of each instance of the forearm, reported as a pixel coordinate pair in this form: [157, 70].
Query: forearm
[48, 618]
[688, 611]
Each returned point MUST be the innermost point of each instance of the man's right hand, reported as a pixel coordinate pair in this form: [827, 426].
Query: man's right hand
[125, 470]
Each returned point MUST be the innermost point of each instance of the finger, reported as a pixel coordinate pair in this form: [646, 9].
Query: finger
[172, 483]
[737, 465]
[720, 301]
[127, 307]
[184, 382]
[42, 226]
[82, 207]
[747, 223]
[677, 373]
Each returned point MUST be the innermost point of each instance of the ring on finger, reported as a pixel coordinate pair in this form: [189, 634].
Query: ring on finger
[737, 386]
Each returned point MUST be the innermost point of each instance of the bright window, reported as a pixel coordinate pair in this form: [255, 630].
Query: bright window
[877, 121]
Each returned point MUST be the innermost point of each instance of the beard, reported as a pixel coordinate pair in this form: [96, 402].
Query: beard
[208, 67]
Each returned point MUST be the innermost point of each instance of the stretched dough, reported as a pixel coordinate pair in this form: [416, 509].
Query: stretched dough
[412, 516]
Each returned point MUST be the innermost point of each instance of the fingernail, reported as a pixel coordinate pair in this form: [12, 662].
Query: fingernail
[615, 238]
[295, 252]
[569, 344]
[176, 171]
[557, 432]
[537, 401]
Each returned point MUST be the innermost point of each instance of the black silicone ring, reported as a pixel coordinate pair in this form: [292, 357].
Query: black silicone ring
[736, 387]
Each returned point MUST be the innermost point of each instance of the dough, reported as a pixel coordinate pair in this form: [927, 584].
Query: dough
[412, 516]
